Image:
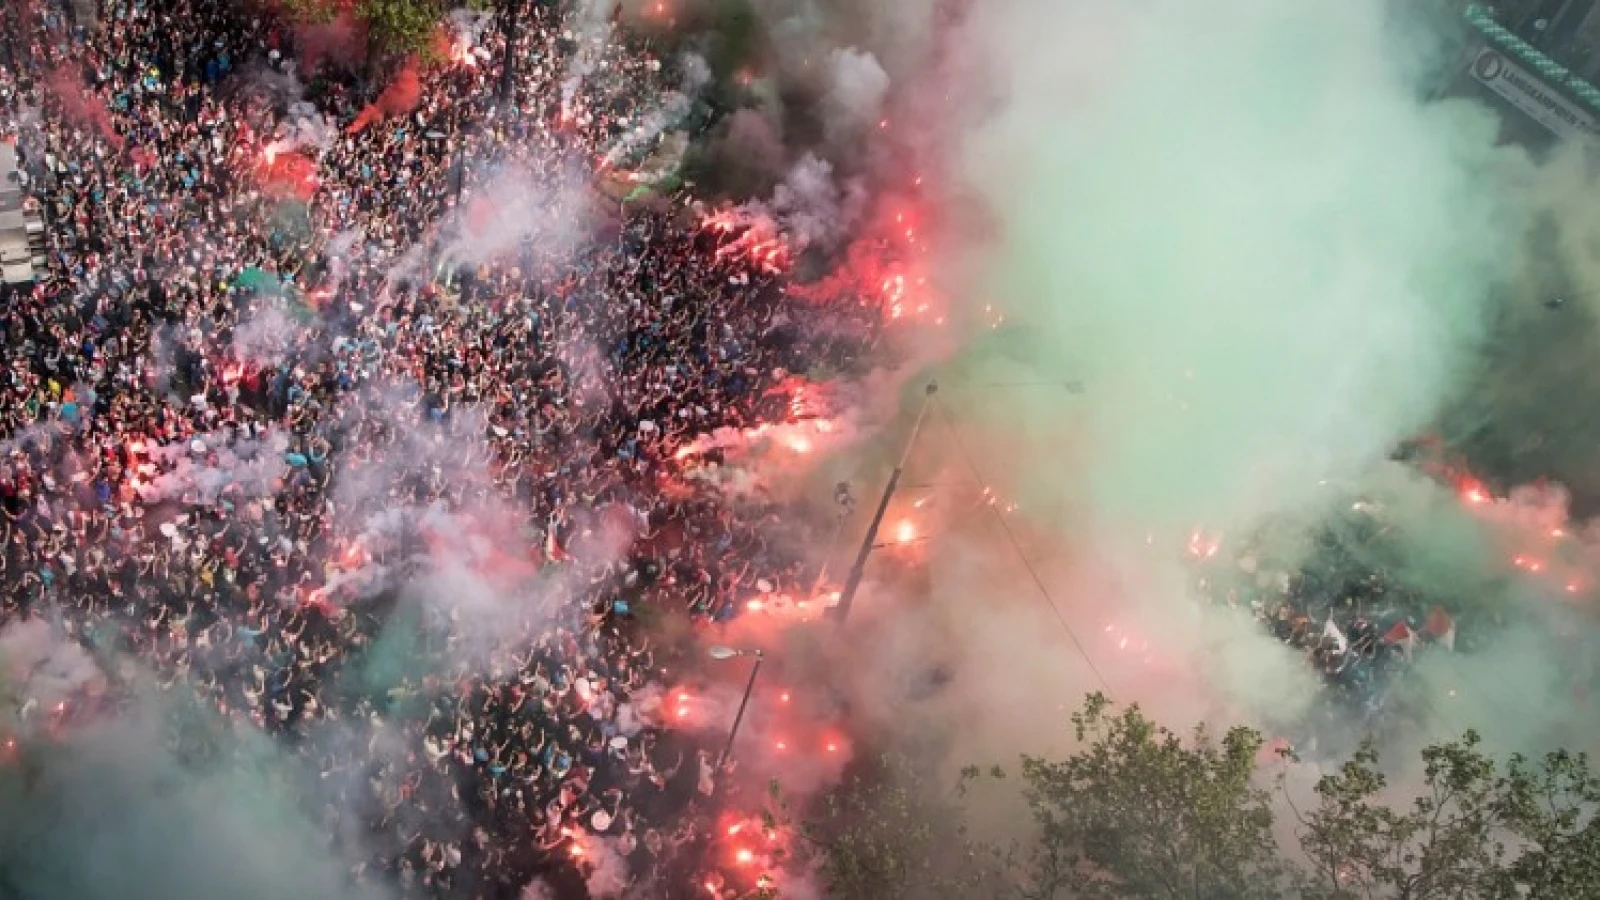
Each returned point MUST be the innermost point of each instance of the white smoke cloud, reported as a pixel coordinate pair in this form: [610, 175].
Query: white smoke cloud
[41, 671]
[857, 87]
[814, 208]
[672, 108]
[304, 128]
[546, 213]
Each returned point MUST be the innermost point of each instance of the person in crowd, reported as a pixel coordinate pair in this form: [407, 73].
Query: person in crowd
[253, 406]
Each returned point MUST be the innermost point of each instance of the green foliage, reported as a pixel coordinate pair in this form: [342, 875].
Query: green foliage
[1529, 832]
[312, 11]
[1141, 813]
[1442, 845]
[401, 26]
[1550, 807]
[395, 27]
[885, 835]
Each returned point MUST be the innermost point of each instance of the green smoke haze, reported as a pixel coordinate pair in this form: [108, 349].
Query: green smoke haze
[1270, 252]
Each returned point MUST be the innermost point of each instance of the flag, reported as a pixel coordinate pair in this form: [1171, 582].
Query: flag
[1333, 632]
[552, 546]
[1401, 635]
[1441, 627]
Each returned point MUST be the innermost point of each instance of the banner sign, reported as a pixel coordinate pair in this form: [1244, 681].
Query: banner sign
[1526, 92]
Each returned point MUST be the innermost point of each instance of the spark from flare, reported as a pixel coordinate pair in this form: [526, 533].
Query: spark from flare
[905, 532]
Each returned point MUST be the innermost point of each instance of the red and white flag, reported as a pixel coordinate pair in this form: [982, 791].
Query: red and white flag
[1441, 627]
[1402, 636]
[552, 545]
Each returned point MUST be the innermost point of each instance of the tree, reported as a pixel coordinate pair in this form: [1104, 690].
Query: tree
[1551, 809]
[400, 27]
[1139, 812]
[394, 27]
[1442, 845]
[1530, 832]
[882, 834]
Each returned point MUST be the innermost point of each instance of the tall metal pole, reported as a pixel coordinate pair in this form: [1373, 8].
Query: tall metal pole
[852, 582]
[739, 716]
[461, 165]
[508, 66]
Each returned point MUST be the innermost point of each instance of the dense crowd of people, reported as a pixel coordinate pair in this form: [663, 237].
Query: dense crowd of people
[1358, 624]
[401, 506]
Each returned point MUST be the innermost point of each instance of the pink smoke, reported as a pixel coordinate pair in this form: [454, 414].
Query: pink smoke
[341, 42]
[79, 104]
[400, 97]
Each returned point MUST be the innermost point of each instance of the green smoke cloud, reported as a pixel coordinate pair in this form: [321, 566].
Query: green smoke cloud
[1270, 252]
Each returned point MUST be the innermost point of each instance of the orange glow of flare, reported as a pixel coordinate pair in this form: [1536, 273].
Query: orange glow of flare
[1202, 547]
[754, 606]
[1473, 492]
[783, 697]
[905, 532]
[744, 857]
[800, 445]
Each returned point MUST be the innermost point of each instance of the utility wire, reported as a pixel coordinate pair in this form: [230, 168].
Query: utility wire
[1022, 557]
[1433, 708]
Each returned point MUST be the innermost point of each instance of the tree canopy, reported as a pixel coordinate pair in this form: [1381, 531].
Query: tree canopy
[1140, 812]
[394, 27]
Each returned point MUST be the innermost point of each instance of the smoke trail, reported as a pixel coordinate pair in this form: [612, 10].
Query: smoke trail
[671, 110]
[399, 97]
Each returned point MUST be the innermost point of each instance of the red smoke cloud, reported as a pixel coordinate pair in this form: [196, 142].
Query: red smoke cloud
[286, 173]
[79, 104]
[400, 97]
[341, 41]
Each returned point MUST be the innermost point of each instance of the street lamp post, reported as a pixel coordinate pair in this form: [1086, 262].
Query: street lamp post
[508, 66]
[852, 581]
[720, 652]
[461, 166]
